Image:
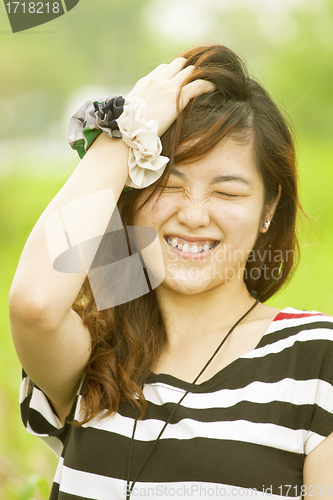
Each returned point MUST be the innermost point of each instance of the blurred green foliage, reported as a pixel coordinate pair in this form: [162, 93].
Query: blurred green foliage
[111, 44]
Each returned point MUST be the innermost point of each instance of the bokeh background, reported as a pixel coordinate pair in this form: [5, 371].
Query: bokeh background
[101, 48]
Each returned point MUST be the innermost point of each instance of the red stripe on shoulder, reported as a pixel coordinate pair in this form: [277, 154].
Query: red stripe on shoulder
[284, 315]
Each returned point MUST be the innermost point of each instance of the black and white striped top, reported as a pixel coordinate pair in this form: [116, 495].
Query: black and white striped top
[249, 426]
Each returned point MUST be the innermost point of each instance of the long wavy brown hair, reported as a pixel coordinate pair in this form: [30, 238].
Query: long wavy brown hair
[128, 339]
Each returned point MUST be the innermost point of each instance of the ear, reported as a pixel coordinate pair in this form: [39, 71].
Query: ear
[269, 212]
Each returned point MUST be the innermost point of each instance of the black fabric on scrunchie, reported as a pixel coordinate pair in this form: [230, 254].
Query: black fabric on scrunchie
[107, 112]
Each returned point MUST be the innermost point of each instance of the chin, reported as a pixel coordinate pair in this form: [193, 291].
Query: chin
[186, 285]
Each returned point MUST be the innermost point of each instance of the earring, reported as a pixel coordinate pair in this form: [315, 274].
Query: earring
[267, 224]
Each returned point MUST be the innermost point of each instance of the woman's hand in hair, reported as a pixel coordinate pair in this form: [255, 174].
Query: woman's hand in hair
[160, 91]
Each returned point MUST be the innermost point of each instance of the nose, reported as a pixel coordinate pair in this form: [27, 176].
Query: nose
[193, 213]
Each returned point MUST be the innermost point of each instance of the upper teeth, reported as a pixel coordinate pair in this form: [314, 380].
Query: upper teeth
[187, 248]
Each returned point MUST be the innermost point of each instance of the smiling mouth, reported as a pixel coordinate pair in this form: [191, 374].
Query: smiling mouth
[186, 248]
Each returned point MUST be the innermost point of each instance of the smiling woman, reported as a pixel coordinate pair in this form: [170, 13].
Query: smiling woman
[216, 229]
[195, 387]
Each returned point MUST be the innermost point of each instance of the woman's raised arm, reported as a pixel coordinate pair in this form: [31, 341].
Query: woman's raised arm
[50, 339]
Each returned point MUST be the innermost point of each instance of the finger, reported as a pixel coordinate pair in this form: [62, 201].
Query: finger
[157, 70]
[174, 67]
[194, 89]
[182, 75]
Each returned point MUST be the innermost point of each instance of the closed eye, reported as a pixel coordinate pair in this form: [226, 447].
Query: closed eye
[228, 195]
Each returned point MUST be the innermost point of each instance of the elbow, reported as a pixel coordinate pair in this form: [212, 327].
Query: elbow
[30, 311]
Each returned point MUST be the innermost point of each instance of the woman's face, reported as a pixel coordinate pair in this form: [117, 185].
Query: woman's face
[208, 218]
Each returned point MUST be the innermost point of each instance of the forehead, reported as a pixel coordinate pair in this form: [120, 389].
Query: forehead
[229, 160]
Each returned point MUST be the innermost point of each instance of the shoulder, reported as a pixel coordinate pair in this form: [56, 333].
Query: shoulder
[291, 316]
[303, 325]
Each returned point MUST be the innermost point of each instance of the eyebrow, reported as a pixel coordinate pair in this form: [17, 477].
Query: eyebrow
[217, 178]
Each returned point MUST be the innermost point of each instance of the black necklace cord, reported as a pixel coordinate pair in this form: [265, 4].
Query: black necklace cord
[128, 491]
[129, 488]
[225, 338]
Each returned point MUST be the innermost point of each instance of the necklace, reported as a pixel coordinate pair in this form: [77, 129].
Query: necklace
[129, 488]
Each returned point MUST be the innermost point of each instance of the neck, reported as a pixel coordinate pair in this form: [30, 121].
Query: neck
[188, 316]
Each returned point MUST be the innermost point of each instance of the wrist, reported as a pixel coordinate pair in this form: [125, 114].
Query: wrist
[122, 119]
[111, 151]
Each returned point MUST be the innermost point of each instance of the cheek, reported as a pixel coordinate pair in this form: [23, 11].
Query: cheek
[240, 220]
[154, 213]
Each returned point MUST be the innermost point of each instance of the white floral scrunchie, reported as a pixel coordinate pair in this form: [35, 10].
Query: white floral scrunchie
[126, 119]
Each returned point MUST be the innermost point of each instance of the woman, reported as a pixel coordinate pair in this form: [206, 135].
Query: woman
[193, 387]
